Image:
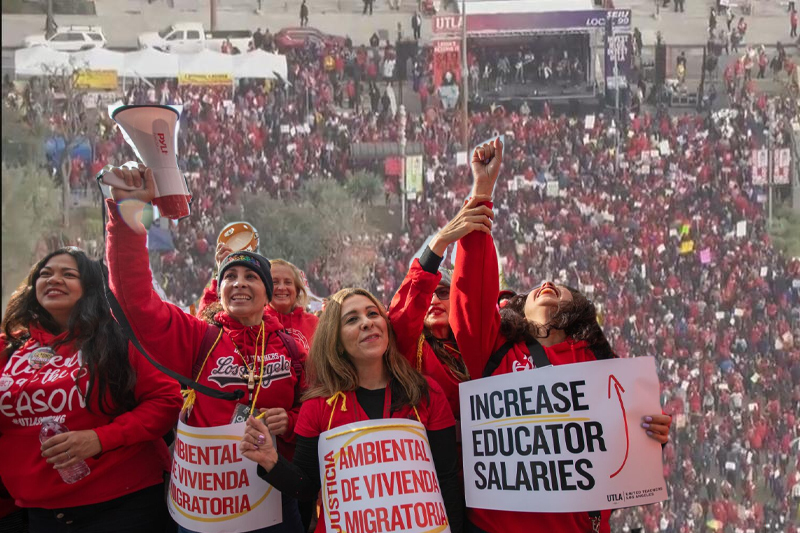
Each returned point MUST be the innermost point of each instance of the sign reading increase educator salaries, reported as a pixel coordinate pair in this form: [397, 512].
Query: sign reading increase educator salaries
[570, 434]
[378, 476]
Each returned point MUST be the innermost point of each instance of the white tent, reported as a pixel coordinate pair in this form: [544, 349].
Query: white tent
[40, 61]
[149, 63]
[205, 62]
[259, 64]
[98, 59]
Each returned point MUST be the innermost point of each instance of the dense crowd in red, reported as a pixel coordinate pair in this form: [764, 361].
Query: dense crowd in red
[669, 238]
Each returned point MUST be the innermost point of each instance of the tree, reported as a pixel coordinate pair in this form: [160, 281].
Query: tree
[364, 186]
[315, 227]
[31, 208]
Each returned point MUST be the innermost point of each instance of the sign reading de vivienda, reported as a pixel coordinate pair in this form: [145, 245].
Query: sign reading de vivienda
[215, 490]
[378, 475]
[570, 434]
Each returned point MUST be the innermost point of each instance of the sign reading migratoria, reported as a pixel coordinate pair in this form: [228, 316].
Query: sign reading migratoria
[569, 433]
[378, 475]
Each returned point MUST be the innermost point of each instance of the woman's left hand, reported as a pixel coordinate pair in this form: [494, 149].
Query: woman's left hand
[71, 448]
[276, 420]
[657, 427]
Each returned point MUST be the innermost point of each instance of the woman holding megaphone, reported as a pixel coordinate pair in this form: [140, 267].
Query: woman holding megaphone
[241, 348]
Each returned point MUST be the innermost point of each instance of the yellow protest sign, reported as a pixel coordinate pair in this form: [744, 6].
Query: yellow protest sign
[96, 79]
[205, 79]
[687, 247]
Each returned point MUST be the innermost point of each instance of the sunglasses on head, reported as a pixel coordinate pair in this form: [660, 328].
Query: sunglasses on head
[443, 293]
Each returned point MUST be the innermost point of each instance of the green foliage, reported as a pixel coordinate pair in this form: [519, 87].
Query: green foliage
[364, 186]
[785, 231]
[314, 225]
[22, 145]
[31, 208]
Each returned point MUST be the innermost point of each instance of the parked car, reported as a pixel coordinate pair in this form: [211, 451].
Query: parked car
[191, 37]
[289, 38]
[70, 38]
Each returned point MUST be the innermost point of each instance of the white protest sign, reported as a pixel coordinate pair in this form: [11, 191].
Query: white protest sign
[741, 228]
[565, 438]
[377, 475]
[215, 490]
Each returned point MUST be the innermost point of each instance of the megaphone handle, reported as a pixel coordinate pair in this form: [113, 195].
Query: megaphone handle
[112, 180]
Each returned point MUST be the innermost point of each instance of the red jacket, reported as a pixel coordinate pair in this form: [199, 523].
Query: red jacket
[174, 338]
[407, 314]
[134, 455]
[476, 324]
[298, 323]
[315, 416]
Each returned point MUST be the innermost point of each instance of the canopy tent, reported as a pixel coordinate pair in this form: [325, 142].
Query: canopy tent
[40, 61]
[149, 63]
[98, 59]
[259, 64]
[204, 63]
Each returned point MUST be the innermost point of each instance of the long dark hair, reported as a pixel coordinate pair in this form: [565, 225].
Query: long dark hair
[91, 329]
[443, 348]
[578, 320]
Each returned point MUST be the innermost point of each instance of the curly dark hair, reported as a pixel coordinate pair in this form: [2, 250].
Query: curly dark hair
[92, 330]
[578, 320]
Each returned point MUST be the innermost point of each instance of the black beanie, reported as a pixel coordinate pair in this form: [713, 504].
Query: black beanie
[255, 262]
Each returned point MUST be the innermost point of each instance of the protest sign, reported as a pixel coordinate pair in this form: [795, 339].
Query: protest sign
[214, 489]
[377, 475]
[563, 438]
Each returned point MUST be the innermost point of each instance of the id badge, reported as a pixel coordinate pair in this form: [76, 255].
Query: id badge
[241, 413]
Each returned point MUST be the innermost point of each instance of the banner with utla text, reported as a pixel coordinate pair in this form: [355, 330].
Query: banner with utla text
[378, 475]
[569, 434]
[213, 489]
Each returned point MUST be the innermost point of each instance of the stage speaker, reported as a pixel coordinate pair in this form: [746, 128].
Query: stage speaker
[406, 50]
[661, 63]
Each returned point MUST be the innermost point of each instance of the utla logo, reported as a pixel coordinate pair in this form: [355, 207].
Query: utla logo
[614, 497]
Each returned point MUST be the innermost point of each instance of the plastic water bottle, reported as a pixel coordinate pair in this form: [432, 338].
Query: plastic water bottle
[76, 472]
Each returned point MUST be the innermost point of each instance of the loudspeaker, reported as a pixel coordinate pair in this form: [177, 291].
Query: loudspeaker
[661, 63]
[152, 132]
[405, 50]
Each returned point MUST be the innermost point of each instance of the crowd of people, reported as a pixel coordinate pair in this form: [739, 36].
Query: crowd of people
[669, 234]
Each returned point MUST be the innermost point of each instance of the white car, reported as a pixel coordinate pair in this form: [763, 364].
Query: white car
[189, 37]
[70, 39]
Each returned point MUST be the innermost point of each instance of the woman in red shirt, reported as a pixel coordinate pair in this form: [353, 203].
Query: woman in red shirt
[356, 373]
[420, 310]
[65, 357]
[240, 348]
[567, 337]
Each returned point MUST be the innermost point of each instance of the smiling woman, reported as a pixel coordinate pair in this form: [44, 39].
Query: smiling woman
[356, 373]
[233, 348]
[64, 356]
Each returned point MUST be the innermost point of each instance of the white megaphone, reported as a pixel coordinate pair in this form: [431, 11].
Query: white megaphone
[152, 132]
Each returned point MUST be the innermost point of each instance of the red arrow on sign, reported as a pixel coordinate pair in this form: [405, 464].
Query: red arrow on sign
[618, 387]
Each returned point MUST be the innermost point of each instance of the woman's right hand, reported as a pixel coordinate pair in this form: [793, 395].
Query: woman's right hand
[223, 250]
[257, 445]
[471, 217]
[135, 178]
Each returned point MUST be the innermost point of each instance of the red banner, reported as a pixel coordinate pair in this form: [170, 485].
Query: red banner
[446, 58]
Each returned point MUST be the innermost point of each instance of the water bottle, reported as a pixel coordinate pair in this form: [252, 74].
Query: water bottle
[51, 428]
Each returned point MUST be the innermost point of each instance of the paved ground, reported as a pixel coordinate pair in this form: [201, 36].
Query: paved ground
[123, 20]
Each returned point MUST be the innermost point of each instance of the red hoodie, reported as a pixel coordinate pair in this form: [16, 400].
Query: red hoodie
[476, 324]
[298, 323]
[134, 455]
[407, 315]
[174, 338]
